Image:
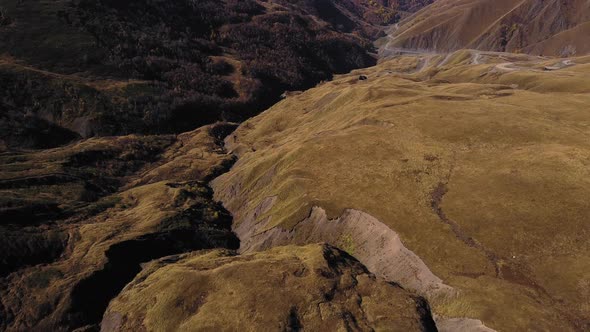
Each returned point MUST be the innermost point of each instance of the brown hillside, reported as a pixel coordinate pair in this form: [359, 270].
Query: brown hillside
[70, 245]
[312, 288]
[548, 27]
[464, 177]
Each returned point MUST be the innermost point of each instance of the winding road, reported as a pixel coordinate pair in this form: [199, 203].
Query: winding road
[388, 51]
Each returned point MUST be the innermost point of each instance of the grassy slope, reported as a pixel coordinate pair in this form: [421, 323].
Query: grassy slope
[547, 27]
[481, 170]
[315, 287]
[63, 272]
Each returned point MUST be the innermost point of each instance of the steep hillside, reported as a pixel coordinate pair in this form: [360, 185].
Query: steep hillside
[433, 191]
[77, 221]
[547, 27]
[105, 68]
[463, 177]
[80, 224]
[73, 69]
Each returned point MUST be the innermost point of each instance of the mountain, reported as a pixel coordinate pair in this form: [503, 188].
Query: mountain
[108, 141]
[85, 68]
[215, 165]
[462, 177]
[546, 27]
[77, 69]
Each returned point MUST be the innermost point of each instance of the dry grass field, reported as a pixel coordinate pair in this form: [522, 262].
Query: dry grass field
[478, 160]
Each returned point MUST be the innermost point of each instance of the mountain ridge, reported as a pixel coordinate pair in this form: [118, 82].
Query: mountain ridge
[433, 191]
[550, 27]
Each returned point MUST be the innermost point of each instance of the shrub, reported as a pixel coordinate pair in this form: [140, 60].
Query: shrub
[4, 18]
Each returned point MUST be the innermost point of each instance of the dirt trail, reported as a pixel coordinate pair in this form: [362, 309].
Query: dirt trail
[386, 51]
[437, 197]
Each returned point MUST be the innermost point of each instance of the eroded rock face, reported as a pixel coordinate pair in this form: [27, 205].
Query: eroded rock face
[461, 324]
[315, 287]
[370, 241]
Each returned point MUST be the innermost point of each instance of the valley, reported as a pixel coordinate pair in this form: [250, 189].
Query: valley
[435, 181]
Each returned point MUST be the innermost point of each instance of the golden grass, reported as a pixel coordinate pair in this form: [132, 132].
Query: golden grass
[512, 148]
[312, 286]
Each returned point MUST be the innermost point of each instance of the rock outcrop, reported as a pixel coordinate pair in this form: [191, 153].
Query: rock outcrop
[315, 288]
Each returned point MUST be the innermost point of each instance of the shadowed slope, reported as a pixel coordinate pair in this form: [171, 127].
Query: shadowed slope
[95, 68]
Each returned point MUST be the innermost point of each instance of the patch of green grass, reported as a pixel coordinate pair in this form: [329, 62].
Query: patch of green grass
[347, 244]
